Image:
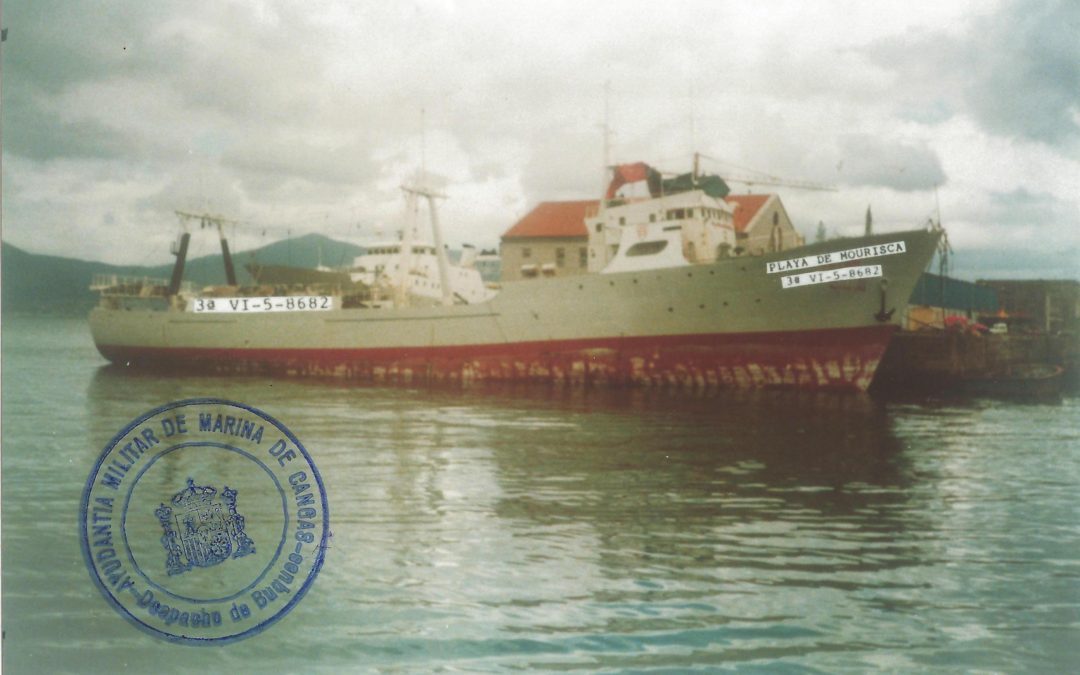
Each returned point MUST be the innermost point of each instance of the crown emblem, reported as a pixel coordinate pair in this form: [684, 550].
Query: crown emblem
[193, 495]
[200, 529]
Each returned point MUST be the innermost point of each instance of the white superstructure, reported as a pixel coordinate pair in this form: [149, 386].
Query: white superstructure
[417, 271]
[685, 228]
[390, 265]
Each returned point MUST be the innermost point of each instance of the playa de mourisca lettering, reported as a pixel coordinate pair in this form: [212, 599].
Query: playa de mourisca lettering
[834, 257]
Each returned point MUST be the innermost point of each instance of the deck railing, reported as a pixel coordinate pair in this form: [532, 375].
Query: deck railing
[116, 284]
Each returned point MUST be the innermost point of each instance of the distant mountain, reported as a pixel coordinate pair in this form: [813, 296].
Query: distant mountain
[50, 284]
[54, 285]
[309, 250]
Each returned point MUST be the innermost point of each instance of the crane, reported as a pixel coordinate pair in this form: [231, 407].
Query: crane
[761, 178]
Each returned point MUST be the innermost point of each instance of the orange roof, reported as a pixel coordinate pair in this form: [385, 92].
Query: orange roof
[554, 219]
[746, 206]
[567, 219]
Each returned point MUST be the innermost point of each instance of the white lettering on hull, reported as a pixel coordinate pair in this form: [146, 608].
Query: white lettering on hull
[291, 303]
[829, 276]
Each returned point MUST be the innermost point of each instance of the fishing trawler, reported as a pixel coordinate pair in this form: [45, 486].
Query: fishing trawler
[676, 304]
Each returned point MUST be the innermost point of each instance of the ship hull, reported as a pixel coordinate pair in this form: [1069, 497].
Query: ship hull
[725, 324]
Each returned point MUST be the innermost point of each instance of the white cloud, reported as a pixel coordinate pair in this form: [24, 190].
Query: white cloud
[299, 118]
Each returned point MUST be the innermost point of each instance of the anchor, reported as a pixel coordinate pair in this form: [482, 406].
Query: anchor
[882, 314]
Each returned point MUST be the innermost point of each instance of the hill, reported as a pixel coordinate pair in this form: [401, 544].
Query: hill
[54, 285]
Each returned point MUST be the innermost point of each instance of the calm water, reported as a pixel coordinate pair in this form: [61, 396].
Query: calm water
[565, 530]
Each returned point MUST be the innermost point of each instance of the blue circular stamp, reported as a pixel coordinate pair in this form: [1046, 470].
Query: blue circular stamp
[204, 521]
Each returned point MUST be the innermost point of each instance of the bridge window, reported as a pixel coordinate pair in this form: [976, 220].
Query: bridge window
[646, 248]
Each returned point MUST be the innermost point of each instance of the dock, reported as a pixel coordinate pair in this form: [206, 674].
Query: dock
[942, 361]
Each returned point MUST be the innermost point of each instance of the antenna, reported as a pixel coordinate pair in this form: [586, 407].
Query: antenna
[605, 129]
[423, 145]
[937, 205]
[607, 123]
[693, 130]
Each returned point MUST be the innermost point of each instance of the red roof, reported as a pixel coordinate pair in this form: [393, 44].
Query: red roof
[567, 219]
[746, 207]
[554, 219]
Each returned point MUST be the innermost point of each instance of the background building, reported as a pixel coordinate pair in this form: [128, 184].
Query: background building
[550, 241]
[936, 297]
[762, 224]
[1050, 305]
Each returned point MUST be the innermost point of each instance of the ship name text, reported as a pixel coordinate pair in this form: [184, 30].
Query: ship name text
[833, 257]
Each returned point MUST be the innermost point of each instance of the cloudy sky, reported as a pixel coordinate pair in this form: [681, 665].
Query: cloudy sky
[299, 117]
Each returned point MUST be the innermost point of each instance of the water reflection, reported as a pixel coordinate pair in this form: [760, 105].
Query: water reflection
[558, 513]
[522, 526]
[732, 493]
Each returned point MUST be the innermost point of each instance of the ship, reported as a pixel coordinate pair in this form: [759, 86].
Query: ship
[675, 302]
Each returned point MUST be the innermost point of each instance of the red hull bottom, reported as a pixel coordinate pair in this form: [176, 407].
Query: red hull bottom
[842, 359]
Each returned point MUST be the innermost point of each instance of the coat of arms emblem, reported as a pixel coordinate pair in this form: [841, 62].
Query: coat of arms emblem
[202, 530]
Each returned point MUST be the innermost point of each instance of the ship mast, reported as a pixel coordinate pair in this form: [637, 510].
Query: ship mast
[440, 252]
[413, 193]
[605, 129]
[405, 252]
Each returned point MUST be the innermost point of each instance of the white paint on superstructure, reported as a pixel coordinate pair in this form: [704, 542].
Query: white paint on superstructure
[698, 228]
[384, 263]
[648, 247]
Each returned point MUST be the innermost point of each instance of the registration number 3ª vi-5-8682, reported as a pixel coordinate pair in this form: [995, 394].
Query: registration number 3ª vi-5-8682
[290, 303]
